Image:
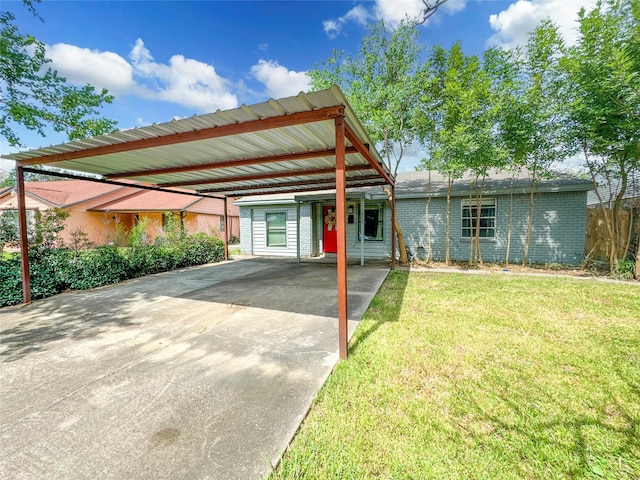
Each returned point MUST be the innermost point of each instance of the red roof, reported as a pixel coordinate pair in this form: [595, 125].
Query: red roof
[65, 193]
[68, 192]
[148, 200]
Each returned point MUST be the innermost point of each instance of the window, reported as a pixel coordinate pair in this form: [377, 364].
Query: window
[276, 229]
[222, 226]
[487, 218]
[373, 223]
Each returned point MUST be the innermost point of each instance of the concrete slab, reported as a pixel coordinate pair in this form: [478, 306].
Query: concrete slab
[204, 373]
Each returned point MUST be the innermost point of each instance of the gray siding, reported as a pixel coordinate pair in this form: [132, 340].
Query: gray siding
[557, 236]
[260, 234]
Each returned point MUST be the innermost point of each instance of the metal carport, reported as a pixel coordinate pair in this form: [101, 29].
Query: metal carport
[309, 142]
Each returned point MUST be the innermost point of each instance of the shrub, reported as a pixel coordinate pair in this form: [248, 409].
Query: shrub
[55, 270]
[94, 268]
[10, 281]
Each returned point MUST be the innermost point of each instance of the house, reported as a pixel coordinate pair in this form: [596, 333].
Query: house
[608, 189]
[304, 225]
[102, 210]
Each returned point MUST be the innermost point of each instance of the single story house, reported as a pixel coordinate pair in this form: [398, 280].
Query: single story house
[609, 188]
[98, 208]
[304, 225]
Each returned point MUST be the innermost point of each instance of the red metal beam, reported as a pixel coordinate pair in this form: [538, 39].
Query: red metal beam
[341, 232]
[319, 184]
[312, 189]
[239, 162]
[24, 241]
[262, 176]
[226, 231]
[393, 227]
[114, 182]
[289, 120]
[364, 151]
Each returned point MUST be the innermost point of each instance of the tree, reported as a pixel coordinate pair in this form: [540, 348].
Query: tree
[379, 82]
[455, 122]
[36, 97]
[429, 9]
[603, 71]
[531, 121]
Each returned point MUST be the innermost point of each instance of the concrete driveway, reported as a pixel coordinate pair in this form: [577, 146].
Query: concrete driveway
[200, 373]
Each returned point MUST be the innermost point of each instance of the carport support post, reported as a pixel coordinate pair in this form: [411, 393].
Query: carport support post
[24, 241]
[362, 231]
[225, 235]
[393, 227]
[341, 232]
[298, 230]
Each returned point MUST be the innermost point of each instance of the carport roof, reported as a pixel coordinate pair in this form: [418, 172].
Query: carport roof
[278, 146]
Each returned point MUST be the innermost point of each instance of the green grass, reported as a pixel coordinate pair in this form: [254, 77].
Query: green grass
[454, 376]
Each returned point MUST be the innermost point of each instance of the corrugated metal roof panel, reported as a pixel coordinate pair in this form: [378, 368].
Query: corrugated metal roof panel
[176, 152]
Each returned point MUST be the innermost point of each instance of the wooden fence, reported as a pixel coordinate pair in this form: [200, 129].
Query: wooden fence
[598, 242]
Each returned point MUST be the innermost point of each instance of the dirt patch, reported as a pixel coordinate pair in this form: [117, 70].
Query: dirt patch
[592, 270]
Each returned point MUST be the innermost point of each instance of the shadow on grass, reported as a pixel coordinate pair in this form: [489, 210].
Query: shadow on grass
[597, 459]
[385, 307]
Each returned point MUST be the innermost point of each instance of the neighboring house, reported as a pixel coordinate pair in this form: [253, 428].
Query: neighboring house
[609, 189]
[97, 208]
[269, 225]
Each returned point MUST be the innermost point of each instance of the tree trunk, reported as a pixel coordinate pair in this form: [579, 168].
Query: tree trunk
[447, 257]
[616, 253]
[472, 228]
[637, 275]
[506, 260]
[402, 249]
[608, 216]
[477, 239]
[428, 259]
[525, 257]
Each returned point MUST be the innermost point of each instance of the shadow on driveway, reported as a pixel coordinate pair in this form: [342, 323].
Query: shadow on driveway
[199, 373]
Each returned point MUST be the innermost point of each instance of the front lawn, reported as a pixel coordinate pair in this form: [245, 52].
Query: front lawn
[454, 376]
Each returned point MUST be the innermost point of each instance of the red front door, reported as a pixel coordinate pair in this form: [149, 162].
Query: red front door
[329, 237]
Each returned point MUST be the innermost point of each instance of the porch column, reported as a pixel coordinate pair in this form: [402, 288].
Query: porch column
[393, 227]
[24, 241]
[341, 232]
[298, 230]
[225, 236]
[362, 231]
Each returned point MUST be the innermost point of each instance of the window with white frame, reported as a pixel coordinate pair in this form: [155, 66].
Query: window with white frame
[373, 222]
[484, 224]
[276, 229]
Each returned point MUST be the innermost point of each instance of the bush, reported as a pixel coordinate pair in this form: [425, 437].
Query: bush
[56, 270]
[10, 281]
[94, 268]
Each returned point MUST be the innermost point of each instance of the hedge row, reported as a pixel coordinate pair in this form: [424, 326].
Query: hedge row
[56, 270]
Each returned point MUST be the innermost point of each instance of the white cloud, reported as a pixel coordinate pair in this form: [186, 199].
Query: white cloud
[183, 80]
[100, 69]
[357, 14]
[392, 12]
[280, 81]
[513, 25]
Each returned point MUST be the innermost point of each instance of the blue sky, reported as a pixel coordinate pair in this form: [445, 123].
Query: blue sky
[173, 59]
